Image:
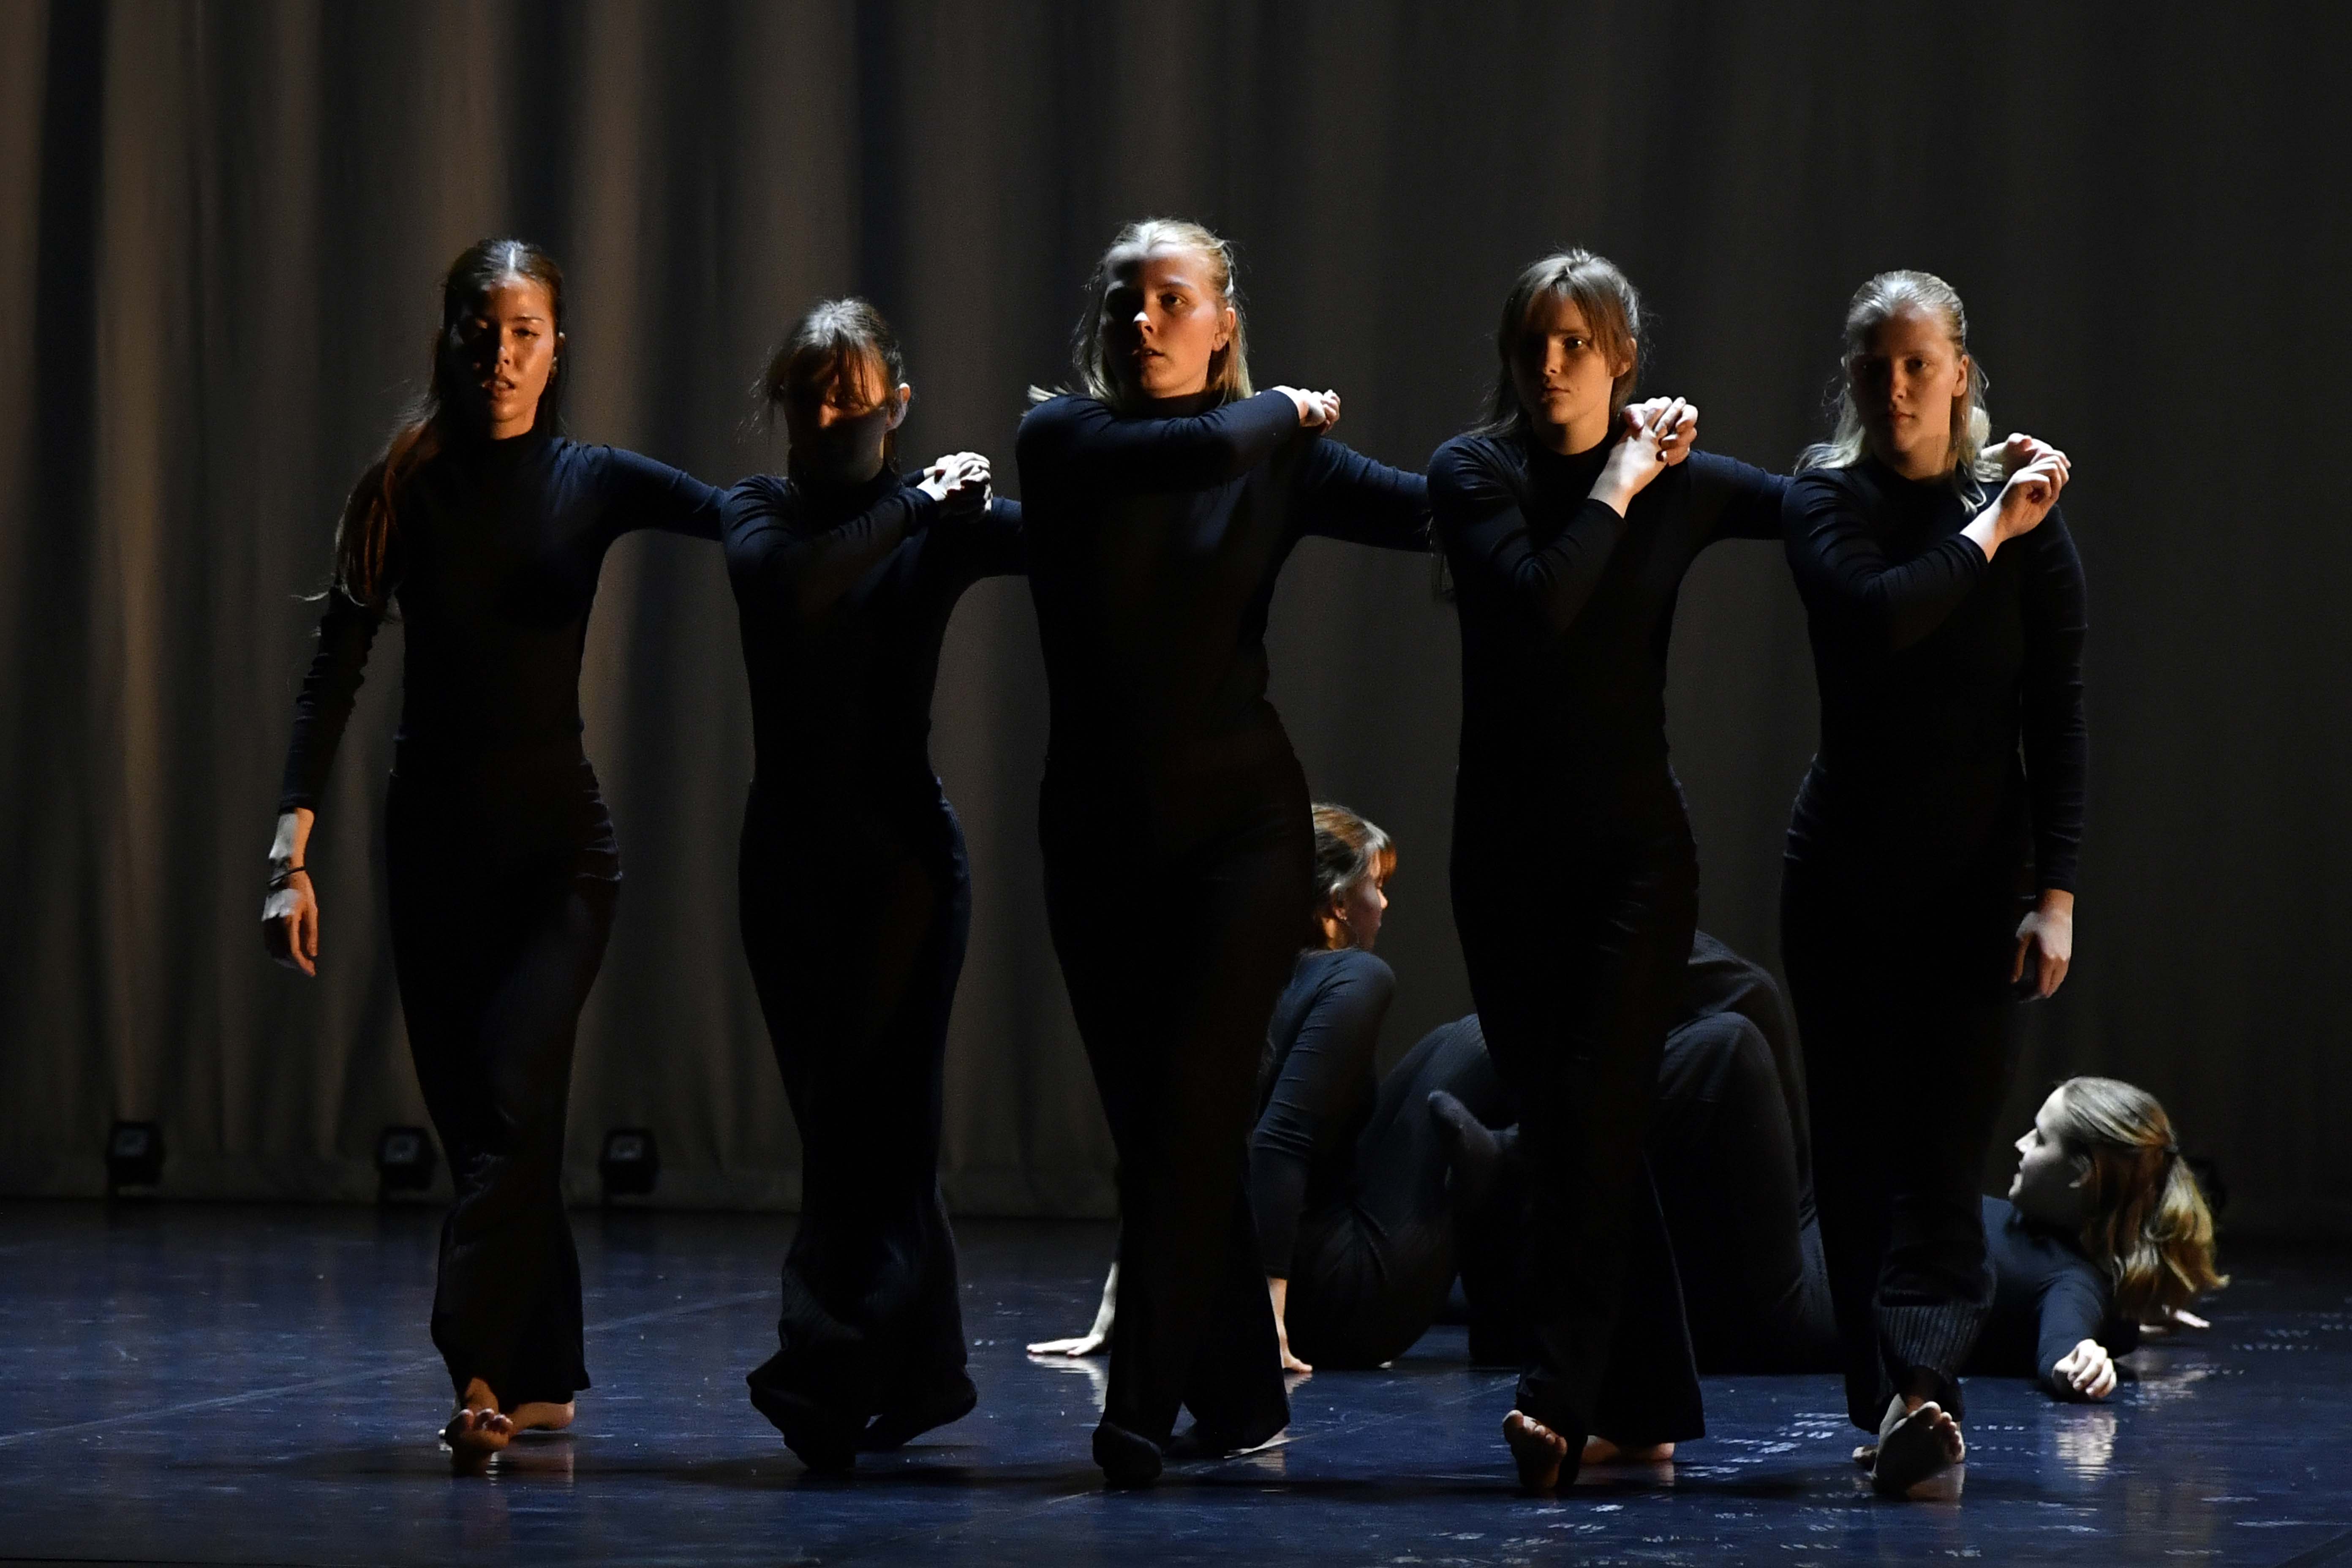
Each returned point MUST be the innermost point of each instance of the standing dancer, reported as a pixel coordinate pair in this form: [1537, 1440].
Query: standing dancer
[1930, 873]
[1568, 526]
[490, 529]
[1163, 500]
[857, 901]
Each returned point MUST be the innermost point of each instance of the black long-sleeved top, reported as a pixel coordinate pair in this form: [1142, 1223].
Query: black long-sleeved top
[1567, 607]
[843, 599]
[495, 558]
[1154, 541]
[1317, 1093]
[1935, 665]
[2047, 1299]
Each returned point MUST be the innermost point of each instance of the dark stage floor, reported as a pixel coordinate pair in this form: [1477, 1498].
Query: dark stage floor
[217, 1384]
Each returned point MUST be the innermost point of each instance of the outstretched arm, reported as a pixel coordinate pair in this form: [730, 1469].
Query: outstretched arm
[642, 494]
[2068, 1357]
[1091, 444]
[1346, 496]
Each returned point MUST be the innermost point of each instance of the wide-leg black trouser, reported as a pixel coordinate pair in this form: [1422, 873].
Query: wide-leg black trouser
[503, 875]
[1173, 1014]
[1575, 938]
[855, 923]
[1911, 1038]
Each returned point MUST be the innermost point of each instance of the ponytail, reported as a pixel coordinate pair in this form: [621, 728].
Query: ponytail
[2149, 1225]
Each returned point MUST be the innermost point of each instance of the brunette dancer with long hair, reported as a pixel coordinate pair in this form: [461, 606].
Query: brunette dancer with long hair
[1932, 852]
[857, 901]
[1568, 524]
[488, 529]
[1162, 498]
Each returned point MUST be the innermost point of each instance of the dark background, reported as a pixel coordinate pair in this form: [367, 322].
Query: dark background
[224, 227]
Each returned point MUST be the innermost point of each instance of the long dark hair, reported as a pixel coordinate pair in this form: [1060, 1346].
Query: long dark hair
[831, 337]
[364, 539]
[1610, 305]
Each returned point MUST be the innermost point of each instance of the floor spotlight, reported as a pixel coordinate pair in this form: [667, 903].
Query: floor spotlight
[134, 1155]
[631, 1162]
[404, 1158]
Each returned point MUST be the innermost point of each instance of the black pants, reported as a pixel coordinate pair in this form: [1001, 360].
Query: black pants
[1368, 1274]
[503, 876]
[1737, 1213]
[1173, 1014]
[1576, 946]
[855, 923]
[1736, 1206]
[1900, 987]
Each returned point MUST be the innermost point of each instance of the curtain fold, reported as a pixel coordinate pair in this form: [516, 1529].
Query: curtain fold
[226, 225]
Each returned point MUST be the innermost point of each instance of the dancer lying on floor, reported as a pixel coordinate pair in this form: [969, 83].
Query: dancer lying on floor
[2103, 1230]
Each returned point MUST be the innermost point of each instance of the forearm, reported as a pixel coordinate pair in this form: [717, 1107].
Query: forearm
[289, 848]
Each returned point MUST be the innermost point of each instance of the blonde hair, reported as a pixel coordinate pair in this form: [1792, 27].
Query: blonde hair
[1347, 850]
[1602, 294]
[2149, 1224]
[1873, 304]
[1090, 374]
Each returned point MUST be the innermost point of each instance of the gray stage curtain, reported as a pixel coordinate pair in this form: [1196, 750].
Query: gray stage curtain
[224, 227]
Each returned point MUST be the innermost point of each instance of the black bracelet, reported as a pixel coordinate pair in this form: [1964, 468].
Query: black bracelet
[278, 880]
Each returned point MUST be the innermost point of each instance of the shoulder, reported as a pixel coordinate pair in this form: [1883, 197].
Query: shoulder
[755, 500]
[1353, 969]
[1058, 416]
[1824, 484]
[1471, 465]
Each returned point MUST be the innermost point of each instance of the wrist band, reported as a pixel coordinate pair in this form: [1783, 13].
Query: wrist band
[278, 880]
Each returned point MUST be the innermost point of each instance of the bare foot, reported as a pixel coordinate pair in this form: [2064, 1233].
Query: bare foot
[1537, 1450]
[475, 1433]
[1916, 1446]
[541, 1415]
[1601, 1451]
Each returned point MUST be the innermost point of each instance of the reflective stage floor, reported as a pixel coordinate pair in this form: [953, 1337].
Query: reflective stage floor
[214, 1385]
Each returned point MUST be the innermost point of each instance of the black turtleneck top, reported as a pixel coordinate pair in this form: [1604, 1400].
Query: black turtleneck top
[1567, 607]
[2048, 1297]
[844, 597]
[494, 561]
[1937, 669]
[1315, 1091]
[1154, 542]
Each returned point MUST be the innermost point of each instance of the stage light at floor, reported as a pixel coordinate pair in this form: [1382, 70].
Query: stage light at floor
[134, 1155]
[631, 1162]
[404, 1159]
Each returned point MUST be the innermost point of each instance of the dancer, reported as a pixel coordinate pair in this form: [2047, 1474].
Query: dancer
[489, 529]
[1347, 1180]
[2105, 1229]
[2103, 1235]
[1930, 873]
[857, 902]
[1732, 1188]
[1568, 528]
[1367, 1189]
[1162, 498]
